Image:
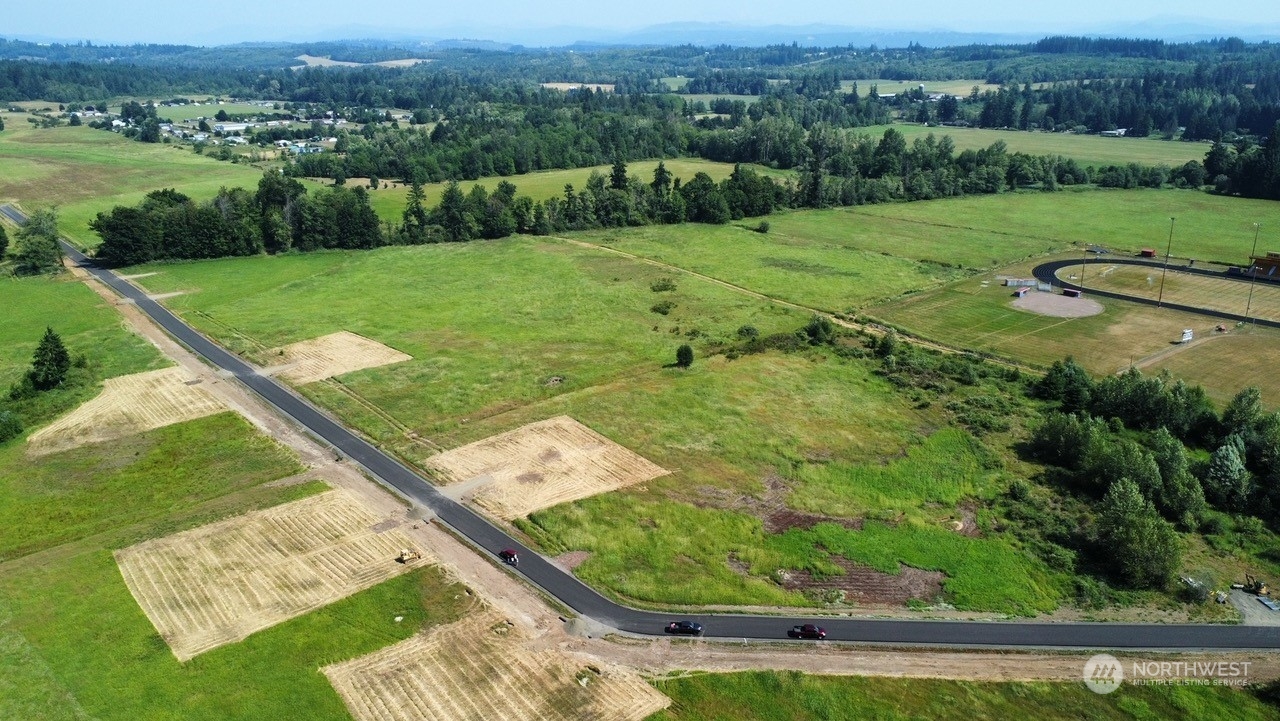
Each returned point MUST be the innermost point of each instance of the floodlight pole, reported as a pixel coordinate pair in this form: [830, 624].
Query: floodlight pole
[1253, 273]
[1163, 273]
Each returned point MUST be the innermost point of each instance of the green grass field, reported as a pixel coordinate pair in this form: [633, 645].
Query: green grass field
[960, 87]
[791, 696]
[183, 113]
[1085, 149]
[807, 263]
[83, 172]
[1208, 227]
[389, 201]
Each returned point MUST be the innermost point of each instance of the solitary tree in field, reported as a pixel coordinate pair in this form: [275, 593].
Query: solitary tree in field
[684, 356]
[51, 362]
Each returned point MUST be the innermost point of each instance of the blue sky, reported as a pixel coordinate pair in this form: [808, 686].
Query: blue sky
[175, 21]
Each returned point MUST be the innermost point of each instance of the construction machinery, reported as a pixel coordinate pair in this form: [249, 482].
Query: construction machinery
[408, 554]
[1256, 586]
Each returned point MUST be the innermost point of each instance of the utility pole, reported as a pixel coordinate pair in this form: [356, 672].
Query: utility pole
[1253, 273]
[1163, 273]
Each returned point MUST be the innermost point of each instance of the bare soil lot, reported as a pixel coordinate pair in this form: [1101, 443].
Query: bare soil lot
[128, 405]
[486, 668]
[541, 465]
[331, 355]
[219, 583]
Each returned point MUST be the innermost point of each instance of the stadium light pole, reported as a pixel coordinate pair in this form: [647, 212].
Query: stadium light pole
[1084, 258]
[1253, 273]
[1163, 273]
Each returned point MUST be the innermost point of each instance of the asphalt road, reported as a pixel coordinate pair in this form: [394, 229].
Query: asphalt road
[574, 594]
[1048, 273]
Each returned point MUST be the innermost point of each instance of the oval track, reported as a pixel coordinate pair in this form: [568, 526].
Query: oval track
[584, 600]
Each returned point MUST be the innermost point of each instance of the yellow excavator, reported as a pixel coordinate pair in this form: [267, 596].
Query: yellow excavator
[1256, 586]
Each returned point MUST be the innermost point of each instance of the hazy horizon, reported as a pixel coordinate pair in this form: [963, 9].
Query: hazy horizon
[566, 21]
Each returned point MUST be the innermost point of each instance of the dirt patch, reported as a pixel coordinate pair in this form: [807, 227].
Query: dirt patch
[219, 583]
[541, 465]
[484, 668]
[1057, 306]
[864, 585]
[572, 559]
[331, 355]
[128, 405]
[782, 520]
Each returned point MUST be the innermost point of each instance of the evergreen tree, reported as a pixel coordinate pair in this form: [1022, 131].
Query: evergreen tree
[453, 215]
[4, 242]
[618, 176]
[415, 215]
[1227, 482]
[51, 362]
[684, 356]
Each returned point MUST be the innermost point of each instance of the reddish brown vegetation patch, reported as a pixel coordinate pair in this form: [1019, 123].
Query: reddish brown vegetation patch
[864, 585]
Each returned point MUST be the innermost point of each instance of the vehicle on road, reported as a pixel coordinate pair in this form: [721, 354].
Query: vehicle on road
[687, 628]
[509, 556]
[807, 630]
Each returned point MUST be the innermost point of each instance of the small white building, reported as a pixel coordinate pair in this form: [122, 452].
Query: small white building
[232, 127]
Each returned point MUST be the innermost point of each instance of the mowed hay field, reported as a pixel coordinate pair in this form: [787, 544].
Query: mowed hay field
[390, 199]
[333, 355]
[1092, 150]
[128, 405]
[481, 668]
[85, 171]
[542, 465]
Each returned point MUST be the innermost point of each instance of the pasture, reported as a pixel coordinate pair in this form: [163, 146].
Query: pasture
[84, 171]
[961, 87]
[1207, 227]
[390, 199]
[1084, 149]
[207, 110]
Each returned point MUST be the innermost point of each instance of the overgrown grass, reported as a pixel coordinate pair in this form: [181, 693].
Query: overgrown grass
[76, 493]
[817, 271]
[791, 696]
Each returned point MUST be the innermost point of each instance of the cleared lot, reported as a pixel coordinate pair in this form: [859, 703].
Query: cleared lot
[332, 355]
[541, 465]
[219, 583]
[483, 668]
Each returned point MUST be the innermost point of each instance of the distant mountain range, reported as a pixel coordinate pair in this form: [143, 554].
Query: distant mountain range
[1172, 29]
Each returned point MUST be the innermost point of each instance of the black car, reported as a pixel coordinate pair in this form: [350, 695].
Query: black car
[808, 630]
[688, 628]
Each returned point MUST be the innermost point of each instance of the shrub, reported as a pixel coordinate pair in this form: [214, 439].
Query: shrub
[663, 307]
[10, 425]
[662, 285]
[763, 227]
[684, 356]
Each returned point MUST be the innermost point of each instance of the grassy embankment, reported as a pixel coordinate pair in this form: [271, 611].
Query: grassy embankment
[768, 696]
[73, 642]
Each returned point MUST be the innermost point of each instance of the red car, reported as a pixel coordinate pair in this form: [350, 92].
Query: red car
[509, 557]
[808, 630]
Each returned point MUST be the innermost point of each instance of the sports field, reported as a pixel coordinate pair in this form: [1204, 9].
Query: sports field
[389, 200]
[84, 171]
[1084, 149]
[1228, 295]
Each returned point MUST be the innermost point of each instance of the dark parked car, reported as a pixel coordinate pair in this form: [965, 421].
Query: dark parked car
[509, 556]
[808, 630]
[688, 628]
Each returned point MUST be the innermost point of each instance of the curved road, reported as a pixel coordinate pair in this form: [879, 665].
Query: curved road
[1048, 273]
[576, 595]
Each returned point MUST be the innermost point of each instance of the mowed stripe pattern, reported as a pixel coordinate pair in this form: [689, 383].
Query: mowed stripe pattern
[128, 405]
[481, 668]
[219, 583]
[543, 464]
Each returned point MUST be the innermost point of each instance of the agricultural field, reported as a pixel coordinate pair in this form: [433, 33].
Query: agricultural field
[390, 198]
[1084, 149]
[1207, 227]
[219, 583]
[771, 696]
[483, 668]
[84, 171]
